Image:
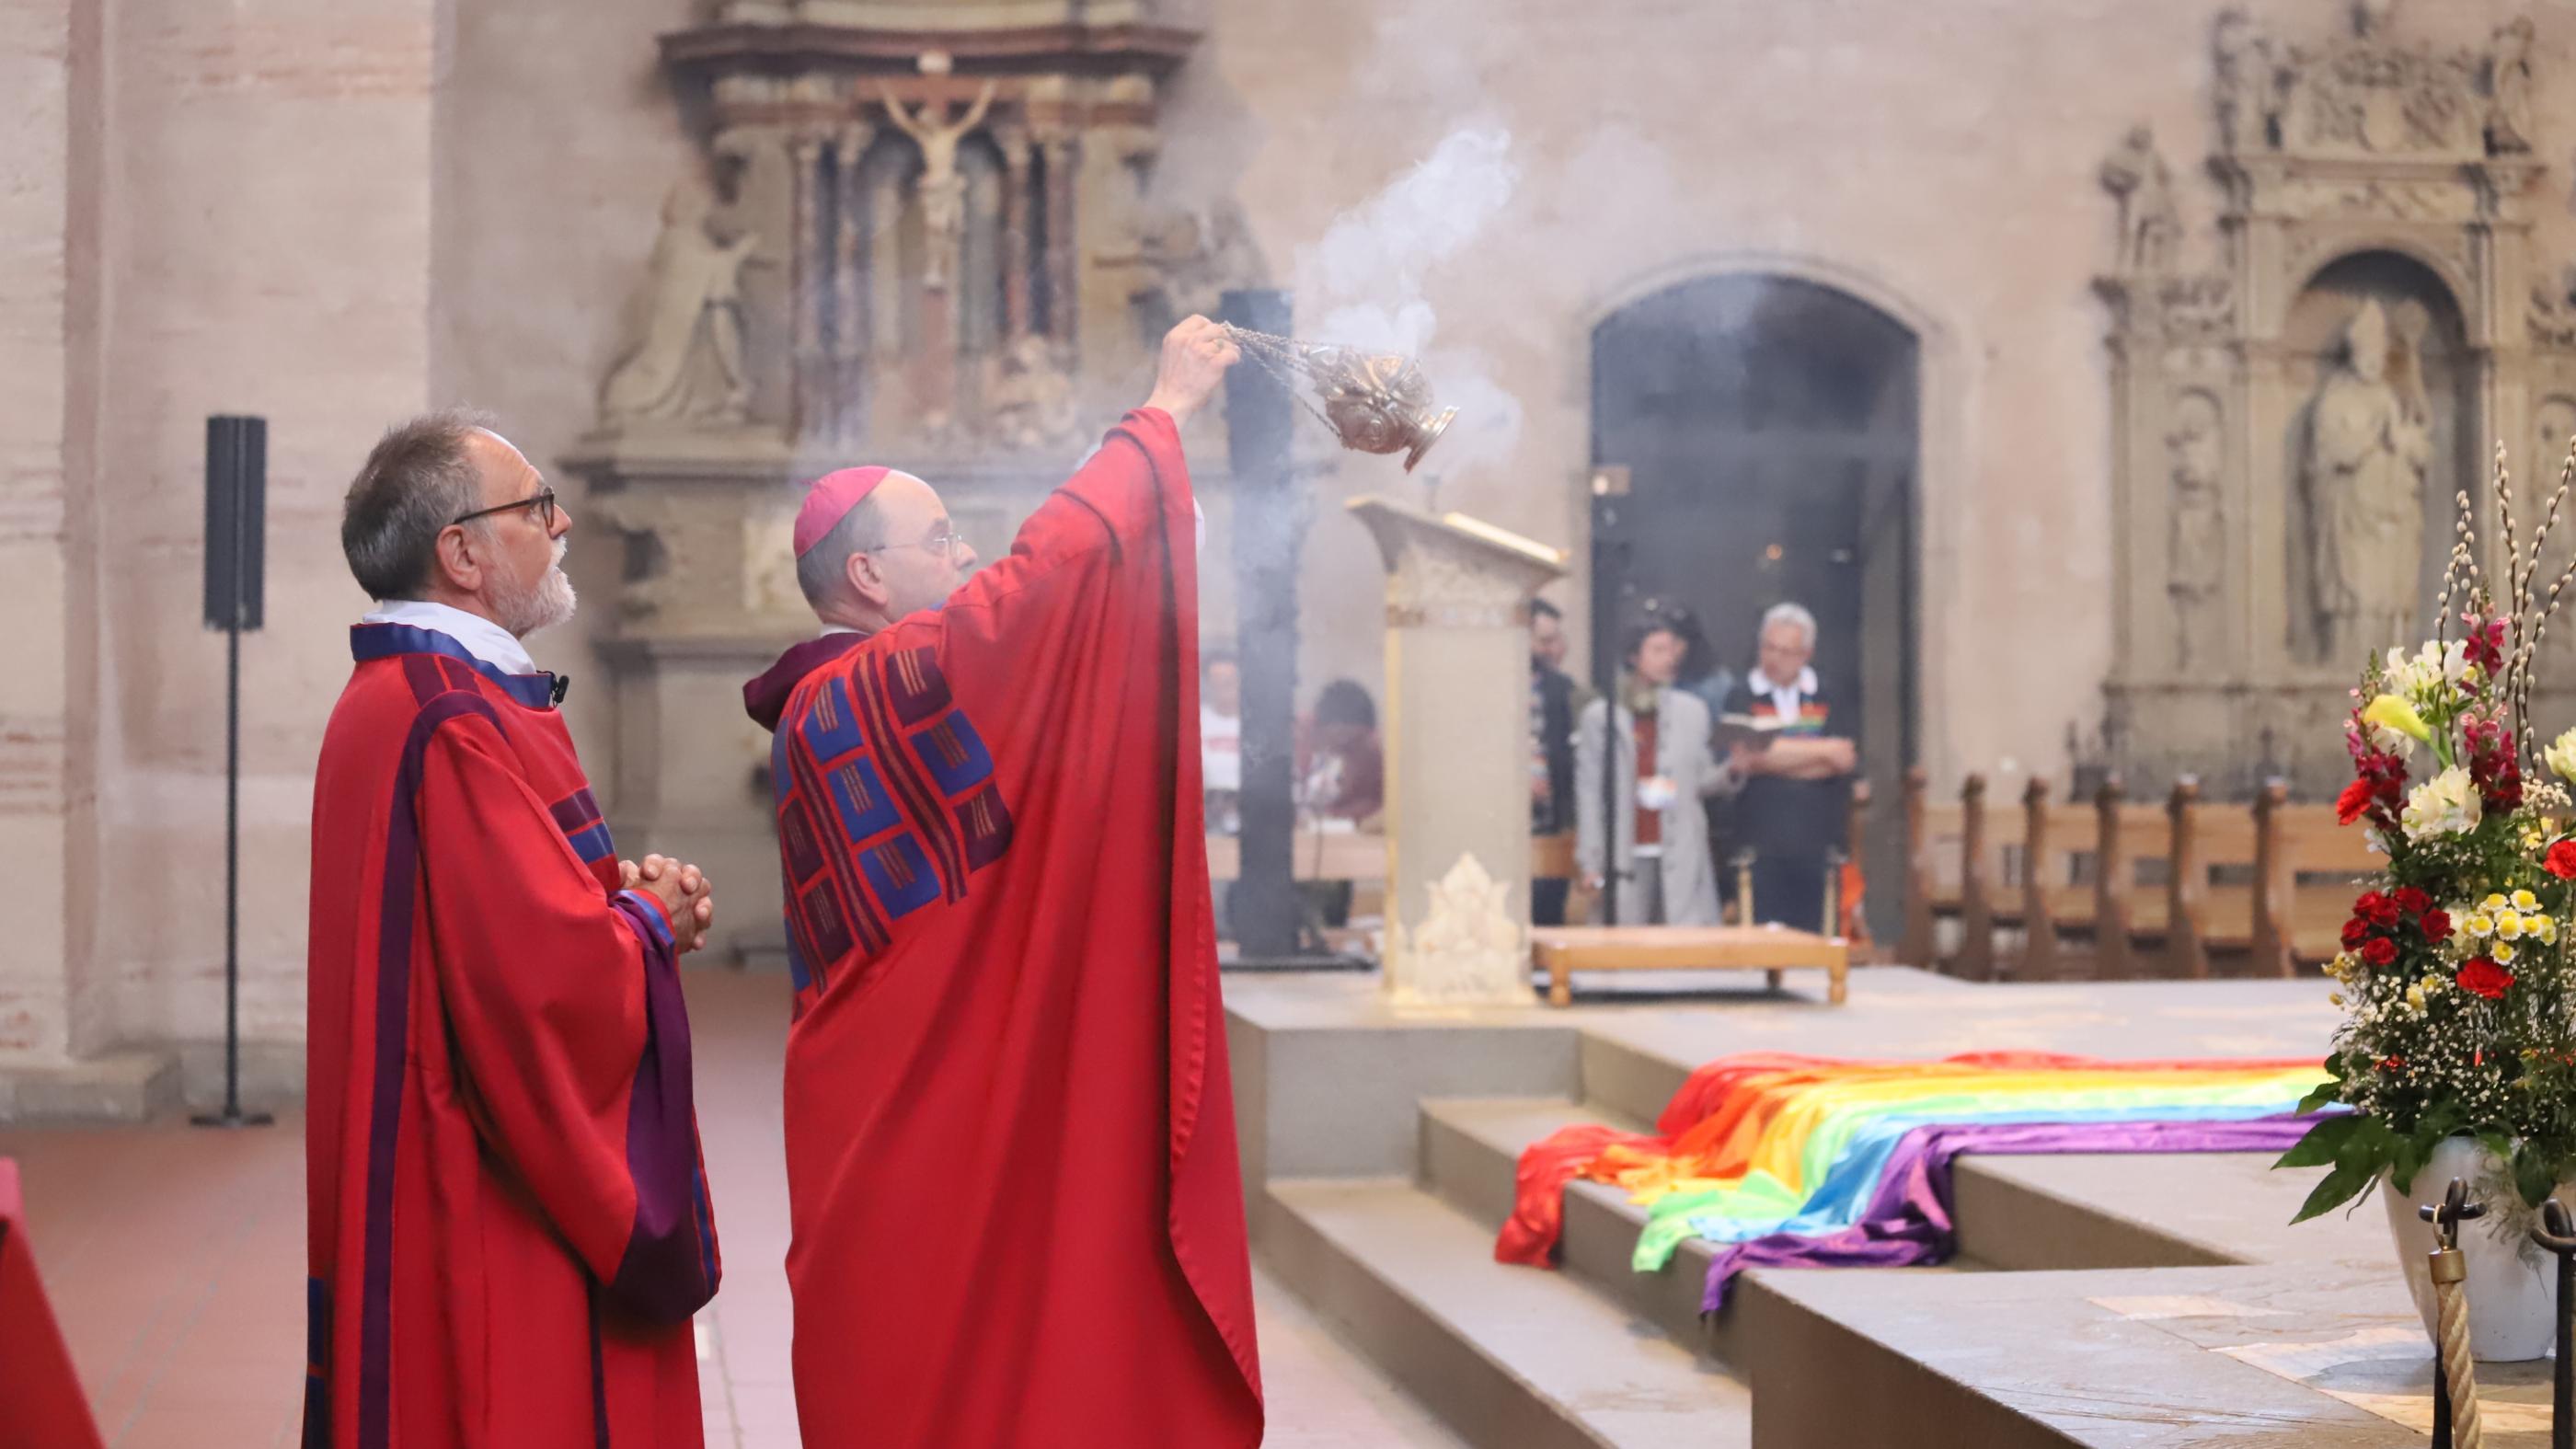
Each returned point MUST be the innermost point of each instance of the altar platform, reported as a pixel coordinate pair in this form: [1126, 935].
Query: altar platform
[2096, 1300]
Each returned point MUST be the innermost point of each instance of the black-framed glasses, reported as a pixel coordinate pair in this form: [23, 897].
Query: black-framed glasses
[543, 502]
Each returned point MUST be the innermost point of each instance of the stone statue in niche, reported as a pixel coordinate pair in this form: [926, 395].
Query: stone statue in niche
[2196, 541]
[2248, 80]
[2150, 223]
[2553, 312]
[1188, 259]
[942, 186]
[681, 360]
[2509, 121]
[1031, 397]
[2555, 434]
[2369, 444]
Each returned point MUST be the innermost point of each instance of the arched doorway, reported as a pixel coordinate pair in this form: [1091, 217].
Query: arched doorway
[1769, 426]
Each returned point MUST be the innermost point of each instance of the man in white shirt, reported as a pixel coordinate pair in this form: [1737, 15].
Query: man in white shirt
[1221, 741]
[1791, 813]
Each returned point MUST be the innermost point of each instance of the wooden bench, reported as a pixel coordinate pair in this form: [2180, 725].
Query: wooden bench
[1312, 855]
[2128, 917]
[2269, 885]
[2204, 917]
[2308, 866]
[1563, 950]
[2056, 897]
[1935, 886]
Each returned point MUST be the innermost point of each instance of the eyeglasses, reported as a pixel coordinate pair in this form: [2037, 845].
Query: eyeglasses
[543, 503]
[943, 543]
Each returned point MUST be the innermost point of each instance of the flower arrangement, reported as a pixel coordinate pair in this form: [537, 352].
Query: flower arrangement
[2459, 994]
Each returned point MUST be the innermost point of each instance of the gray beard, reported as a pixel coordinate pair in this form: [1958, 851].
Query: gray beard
[525, 609]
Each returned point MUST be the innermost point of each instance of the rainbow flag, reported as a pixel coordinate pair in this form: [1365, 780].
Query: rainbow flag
[1816, 1161]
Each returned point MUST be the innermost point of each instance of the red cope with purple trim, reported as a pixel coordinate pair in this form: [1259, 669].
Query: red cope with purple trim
[508, 1220]
[1010, 1131]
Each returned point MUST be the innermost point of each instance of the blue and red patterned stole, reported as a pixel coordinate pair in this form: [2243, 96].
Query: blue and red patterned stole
[886, 804]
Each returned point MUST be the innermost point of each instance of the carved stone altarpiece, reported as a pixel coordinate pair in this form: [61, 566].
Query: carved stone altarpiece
[2296, 401]
[919, 236]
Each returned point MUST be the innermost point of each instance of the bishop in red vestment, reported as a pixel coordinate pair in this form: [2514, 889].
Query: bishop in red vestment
[508, 1217]
[1010, 1133]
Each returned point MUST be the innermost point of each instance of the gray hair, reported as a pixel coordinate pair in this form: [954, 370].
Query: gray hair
[418, 479]
[1788, 614]
[822, 569]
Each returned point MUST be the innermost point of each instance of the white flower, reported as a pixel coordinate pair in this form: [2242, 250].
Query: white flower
[2525, 901]
[2431, 676]
[2447, 804]
[2390, 742]
[2560, 754]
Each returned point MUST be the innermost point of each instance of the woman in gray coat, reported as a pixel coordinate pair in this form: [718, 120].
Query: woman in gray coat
[1665, 874]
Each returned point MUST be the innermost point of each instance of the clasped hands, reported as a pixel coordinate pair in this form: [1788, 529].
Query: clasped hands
[686, 895]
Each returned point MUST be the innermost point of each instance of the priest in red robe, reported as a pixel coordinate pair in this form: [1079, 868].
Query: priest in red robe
[508, 1216]
[1010, 1133]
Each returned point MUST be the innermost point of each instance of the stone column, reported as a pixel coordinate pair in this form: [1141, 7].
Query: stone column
[1457, 752]
[809, 265]
[1015, 233]
[1062, 251]
[849, 282]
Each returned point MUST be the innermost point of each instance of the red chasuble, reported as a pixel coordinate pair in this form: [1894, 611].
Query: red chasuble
[1010, 1135]
[508, 1224]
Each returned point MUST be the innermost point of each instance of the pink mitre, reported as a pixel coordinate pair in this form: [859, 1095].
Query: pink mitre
[830, 500]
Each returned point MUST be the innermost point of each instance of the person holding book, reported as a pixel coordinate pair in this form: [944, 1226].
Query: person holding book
[1796, 769]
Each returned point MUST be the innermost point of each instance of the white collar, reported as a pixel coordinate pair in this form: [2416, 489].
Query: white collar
[1806, 684]
[831, 629]
[481, 637]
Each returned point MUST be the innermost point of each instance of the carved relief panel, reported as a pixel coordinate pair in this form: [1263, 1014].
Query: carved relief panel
[2299, 394]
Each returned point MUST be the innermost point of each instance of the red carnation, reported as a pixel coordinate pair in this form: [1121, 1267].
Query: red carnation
[2561, 860]
[2436, 926]
[2353, 802]
[2380, 951]
[2484, 977]
[2412, 901]
[2390, 1064]
[2355, 931]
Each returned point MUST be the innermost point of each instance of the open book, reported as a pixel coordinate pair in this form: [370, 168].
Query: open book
[1752, 731]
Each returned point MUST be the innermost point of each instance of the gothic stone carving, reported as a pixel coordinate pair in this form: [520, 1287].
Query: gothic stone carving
[2196, 546]
[2362, 474]
[682, 358]
[1437, 586]
[2262, 482]
[1468, 950]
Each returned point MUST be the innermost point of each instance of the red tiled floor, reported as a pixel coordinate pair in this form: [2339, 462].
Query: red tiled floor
[175, 1260]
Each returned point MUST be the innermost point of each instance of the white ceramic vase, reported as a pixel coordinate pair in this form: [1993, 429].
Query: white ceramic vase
[2511, 1283]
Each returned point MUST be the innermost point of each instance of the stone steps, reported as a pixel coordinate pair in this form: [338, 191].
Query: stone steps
[1511, 1358]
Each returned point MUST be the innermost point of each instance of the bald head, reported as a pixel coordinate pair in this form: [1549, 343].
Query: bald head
[894, 553]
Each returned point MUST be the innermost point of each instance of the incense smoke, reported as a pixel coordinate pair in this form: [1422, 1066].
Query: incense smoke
[1366, 281]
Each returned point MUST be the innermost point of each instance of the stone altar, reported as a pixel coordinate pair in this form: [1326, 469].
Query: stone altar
[1457, 753]
[2297, 398]
[917, 238]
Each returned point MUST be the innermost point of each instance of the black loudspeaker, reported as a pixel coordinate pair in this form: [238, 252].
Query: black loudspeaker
[236, 521]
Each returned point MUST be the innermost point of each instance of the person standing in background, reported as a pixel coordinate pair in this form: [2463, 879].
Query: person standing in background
[1552, 704]
[1797, 792]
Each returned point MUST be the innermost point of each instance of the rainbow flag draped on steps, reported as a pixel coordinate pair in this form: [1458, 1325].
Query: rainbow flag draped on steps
[1796, 1161]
